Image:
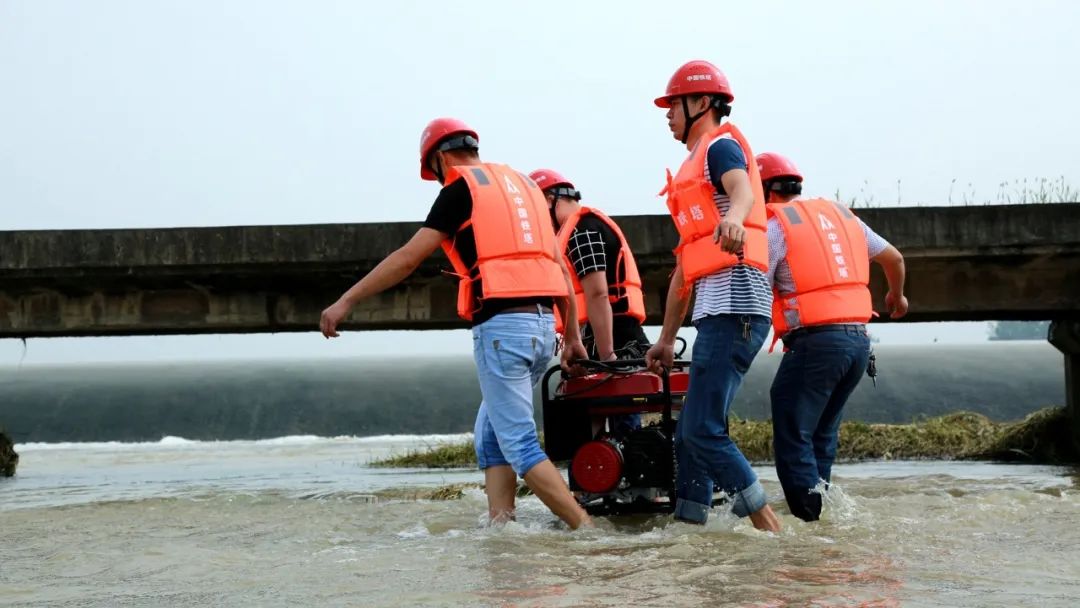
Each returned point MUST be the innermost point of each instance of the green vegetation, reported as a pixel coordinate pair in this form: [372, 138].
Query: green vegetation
[442, 457]
[1016, 192]
[1044, 436]
[450, 492]
[960, 435]
[1040, 190]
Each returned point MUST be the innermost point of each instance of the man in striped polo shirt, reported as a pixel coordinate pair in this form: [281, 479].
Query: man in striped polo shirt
[722, 256]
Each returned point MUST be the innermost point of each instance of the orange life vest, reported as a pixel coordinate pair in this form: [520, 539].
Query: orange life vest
[830, 265]
[690, 201]
[627, 280]
[515, 243]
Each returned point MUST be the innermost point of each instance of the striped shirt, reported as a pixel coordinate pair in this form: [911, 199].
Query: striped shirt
[779, 270]
[738, 290]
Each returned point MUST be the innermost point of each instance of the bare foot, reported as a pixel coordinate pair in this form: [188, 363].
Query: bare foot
[765, 519]
[500, 518]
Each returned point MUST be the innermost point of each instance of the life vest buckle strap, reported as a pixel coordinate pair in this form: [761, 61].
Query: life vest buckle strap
[667, 184]
[453, 274]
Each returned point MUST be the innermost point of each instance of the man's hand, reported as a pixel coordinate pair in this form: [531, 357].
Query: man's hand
[571, 351]
[730, 235]
[896, 304]
[660, 355]
[389, 272]
[332, 316]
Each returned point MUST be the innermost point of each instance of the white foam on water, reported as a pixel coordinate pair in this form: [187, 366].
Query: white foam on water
[415, 532]
[171, 442]
[836, 505]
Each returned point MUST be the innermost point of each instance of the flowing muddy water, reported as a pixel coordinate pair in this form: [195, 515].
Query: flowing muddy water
[292, 522]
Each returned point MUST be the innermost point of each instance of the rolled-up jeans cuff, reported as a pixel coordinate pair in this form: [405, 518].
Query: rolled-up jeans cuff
[749, 500]
[688, 510]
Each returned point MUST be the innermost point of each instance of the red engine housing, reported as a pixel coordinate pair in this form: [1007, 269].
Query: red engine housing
[641, 383]
[597, 467]
[603, 385]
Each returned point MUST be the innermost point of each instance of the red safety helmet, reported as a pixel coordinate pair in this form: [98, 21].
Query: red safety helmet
[696, 78]
[440, 133]
[553, 182]
[774, 166]
[549, 178]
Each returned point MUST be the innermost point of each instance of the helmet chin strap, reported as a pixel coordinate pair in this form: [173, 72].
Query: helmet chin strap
[437, 168]
[690, 120]
[714, 103]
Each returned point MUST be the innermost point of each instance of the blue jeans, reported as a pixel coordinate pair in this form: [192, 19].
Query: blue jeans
[814, 381]
[512, 351]
[724, 348]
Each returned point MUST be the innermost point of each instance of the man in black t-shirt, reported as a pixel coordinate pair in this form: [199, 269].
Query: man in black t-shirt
[451, 209]
[513, 335]
[602, 263]
[593, 247]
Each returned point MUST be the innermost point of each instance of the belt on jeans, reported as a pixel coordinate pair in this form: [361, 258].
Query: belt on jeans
[814, 329]
[536, 308]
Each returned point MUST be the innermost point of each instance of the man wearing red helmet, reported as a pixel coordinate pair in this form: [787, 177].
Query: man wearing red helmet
[610, 302]
[490, 221]
[607, 286]
[819, 268]
[718, 208]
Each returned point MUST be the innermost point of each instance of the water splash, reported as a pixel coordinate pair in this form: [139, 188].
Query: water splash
[417, 531]
[836, 505]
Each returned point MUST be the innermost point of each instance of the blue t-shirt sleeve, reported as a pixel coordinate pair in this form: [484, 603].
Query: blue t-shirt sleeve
[724, 155]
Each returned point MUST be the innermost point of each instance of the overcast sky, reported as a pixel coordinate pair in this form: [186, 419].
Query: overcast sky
[149, 113]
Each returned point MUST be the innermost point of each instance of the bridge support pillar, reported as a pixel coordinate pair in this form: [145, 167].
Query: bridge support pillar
[1065, 336]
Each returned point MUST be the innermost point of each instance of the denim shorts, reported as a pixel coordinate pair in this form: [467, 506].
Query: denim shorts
[512, 351]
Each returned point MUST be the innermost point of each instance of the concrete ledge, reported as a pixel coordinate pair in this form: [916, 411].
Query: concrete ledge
[964, 263]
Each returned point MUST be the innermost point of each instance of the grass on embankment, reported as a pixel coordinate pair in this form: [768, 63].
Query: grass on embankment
[1043, 436]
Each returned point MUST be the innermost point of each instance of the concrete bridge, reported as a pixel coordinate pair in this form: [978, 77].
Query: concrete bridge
[964, 264]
